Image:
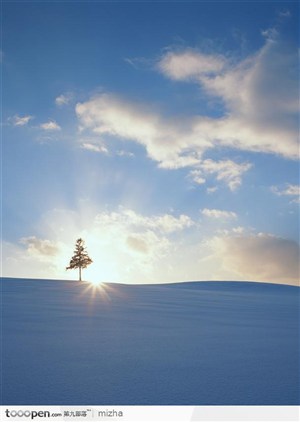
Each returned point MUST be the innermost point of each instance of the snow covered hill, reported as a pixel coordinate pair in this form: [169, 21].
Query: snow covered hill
[206, 343]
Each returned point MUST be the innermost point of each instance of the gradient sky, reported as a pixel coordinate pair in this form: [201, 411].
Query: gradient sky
[165, 134]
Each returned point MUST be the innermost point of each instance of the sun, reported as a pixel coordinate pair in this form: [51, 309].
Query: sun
[95, 282]
[99, 292]
[95, 287]
[101, 271]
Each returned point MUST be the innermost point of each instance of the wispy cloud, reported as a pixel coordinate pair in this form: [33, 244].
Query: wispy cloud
[138, 62]
[165, 223]
[262, 113]
[63, 99]
[212, 189]
[21, 120]
[288, 190]
[173, 144]
[95, 148]
[123, 153]
[284, 13]
[261, 257]
[26, 261]
[134, 241]
[50, 126]
[190, 64]
[218, 214]
[128, 246]
[139, 243]
[196, 177]
[226, 171]
[40, 247]
[166, 141]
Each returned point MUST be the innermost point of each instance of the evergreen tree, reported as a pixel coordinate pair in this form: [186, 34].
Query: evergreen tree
[80, 258]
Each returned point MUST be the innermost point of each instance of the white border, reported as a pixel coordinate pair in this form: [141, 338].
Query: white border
[151, 413]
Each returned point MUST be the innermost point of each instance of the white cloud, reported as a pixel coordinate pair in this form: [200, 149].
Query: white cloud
[168, 141]
[95, 148]
[124, 245]
[123, 153]
[63, 99]
[287, 190]
[40, 247]
[238, 230]
[33, 257]
[51, 126]
[168, 223]
[134, 244]
[152, 246]
[173, 144]
[213, 189]
[137, 243]
[165, 223]
[259, 95]
[260, 257]
[17, 262]
[21, 120]
[164, 140]
[218, 214]
[259, 102]
[190, 64]
[284, 13]
[226, 171]
[196, 176]
[130, 247]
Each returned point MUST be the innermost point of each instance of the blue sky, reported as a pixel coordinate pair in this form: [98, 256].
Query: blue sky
[163, 133]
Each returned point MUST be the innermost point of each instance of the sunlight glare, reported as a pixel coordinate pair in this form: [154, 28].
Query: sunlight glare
[95, 282]
[96, 289]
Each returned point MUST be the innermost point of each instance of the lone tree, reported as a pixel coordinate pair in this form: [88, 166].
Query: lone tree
[80, 258]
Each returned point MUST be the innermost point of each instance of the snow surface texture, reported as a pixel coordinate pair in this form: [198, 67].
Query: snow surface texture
[206, 343]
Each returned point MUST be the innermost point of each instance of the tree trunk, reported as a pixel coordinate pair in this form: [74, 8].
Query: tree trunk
[79, 273]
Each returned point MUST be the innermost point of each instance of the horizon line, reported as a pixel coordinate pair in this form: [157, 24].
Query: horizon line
[151, 284]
